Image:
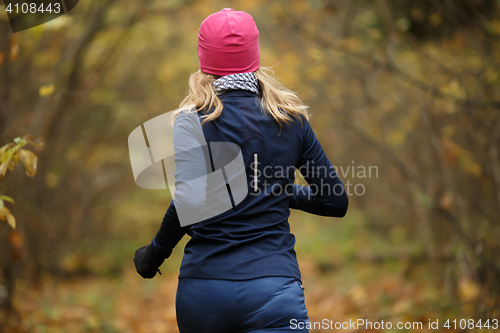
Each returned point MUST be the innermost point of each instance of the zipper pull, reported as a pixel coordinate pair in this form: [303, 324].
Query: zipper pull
[255, 163]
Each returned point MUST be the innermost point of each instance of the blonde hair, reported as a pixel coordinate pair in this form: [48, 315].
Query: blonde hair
[281, 103]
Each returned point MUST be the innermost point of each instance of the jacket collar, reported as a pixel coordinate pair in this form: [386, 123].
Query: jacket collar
[237, 93]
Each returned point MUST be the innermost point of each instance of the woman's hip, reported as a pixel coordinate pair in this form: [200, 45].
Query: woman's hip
[256, 305]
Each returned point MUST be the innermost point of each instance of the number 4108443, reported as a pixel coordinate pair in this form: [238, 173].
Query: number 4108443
[471, 323]
[32, 8]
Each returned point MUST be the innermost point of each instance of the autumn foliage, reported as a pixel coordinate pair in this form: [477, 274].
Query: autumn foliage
[409, 88]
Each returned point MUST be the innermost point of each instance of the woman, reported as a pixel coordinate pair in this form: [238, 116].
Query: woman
[239, 272]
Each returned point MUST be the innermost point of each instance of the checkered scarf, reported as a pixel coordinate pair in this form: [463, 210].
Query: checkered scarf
[245, 81]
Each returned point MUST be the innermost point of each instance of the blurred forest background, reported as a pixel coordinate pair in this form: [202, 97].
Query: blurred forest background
[409, 87]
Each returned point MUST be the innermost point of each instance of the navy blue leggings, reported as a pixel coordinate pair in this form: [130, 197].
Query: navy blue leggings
[261, 305]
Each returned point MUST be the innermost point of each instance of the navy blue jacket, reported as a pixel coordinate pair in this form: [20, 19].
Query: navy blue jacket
[253, 238]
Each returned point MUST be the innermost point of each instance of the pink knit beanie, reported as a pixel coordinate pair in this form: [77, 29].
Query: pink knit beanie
[228, 43]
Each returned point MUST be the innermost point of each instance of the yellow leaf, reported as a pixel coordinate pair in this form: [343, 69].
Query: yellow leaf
[4, 148]
[13, 160]
[6, 198]
[61, 22]
[358, 294]
[6, 215]
[6, 154]
[11, 221]
[46, 90]
[3, 169]
[455, 89]
[29, 161]
[468, 290]
[396, 138]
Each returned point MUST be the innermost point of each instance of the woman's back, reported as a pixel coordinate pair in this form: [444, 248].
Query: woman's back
[253, 238]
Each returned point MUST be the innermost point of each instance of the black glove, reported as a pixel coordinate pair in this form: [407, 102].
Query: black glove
[147, 262]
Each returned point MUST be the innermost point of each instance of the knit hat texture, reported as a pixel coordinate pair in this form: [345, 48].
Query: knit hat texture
[228, 43]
